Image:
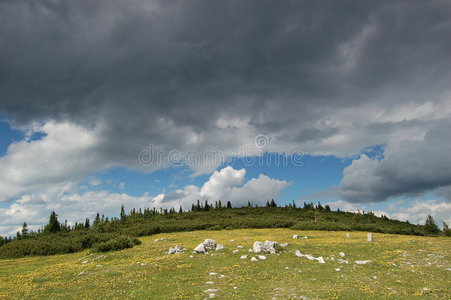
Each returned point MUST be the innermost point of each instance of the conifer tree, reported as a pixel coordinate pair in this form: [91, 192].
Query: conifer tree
[54, 225]
[430, 225]
[24, 230]
[229, 204]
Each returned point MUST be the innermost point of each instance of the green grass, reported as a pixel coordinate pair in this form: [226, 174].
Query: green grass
[146, 272]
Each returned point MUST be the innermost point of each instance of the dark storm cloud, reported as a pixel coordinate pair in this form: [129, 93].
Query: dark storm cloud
[190, 60]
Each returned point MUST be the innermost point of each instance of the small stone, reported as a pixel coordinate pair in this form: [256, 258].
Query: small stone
[239, 247]
[211, 291]
[235, 287]
[221, 276]
[362, 262]
[84, 262]
[213, 274]
[284, 245]
[243, 257]
[231, 241]
[191, 256]
[348, 235]
[369, 237]
[286, 268]
[342, 254]
[210, 282]
[254, 259]
[295, 237]
[337, 269]
[261, 257]
[235, 251]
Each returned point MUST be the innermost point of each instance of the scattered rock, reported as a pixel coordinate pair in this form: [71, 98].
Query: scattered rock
[254, 259]
[191, 256]
[261, 257]
[305, 237]
[319, 259]
[286, 268]
[200, 248]
[235, 251]
[206, 245]
[295, 237]
[159, 240]
[84, 262]
[231, 241]
[81, 273]
[369, 237]
[362, 262]
[239, 247]
[243, 257]
[348, 235]
[213, 274]
[211, 291]
[174, 250]
[284, 245]
[267, 247]
[337, 269]
[342, 254]
[251, 250]
[209, 244]
[210, 282]
[235, 287]
[221, 276]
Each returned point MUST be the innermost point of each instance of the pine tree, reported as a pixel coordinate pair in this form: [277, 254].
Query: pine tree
[96, 221]
[327, 208]
[219, 203]
[123, 215]
[430, 225]
[294, 204]
[273, 203]
[54, 225]
[446, 230]
[229, 204]
[180, 209]
[193, 208]
[24, 230]
[87, 225]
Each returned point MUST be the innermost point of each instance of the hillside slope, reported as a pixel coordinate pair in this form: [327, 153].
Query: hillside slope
[402, 266]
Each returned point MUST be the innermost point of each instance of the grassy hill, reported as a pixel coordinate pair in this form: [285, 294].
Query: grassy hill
[116, 234]
[401, 267]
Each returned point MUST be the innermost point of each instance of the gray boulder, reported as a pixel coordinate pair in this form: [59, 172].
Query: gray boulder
[266, 247]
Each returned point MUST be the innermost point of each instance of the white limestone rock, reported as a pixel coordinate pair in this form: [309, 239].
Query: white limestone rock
[295, 237]
[200, 248]
[266, 247]
[174, 250]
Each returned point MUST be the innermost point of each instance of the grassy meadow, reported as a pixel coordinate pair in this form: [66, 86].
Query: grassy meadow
[402, 267]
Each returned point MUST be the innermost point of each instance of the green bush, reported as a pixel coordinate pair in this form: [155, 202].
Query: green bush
[119, 243]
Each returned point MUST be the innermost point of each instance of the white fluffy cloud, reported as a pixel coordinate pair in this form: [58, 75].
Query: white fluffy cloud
[227, 184]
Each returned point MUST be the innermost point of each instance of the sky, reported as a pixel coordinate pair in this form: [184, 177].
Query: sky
[160, 103]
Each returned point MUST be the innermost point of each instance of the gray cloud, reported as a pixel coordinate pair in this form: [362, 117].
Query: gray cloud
[410, 167]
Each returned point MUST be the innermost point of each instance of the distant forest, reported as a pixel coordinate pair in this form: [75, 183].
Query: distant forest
[107, 234]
